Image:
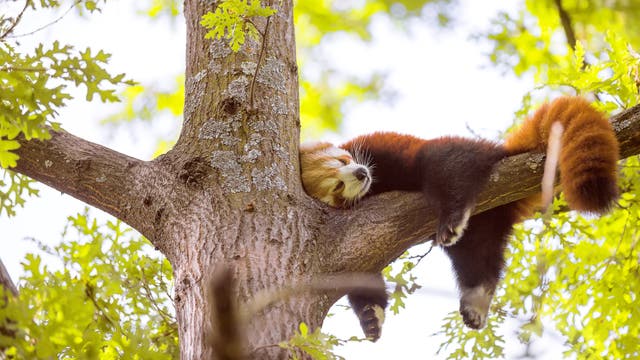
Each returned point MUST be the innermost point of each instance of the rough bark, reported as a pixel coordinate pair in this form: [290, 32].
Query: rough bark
[229, 193]
[246, 208]
[9, 290]
[6, 282]
[116, 183]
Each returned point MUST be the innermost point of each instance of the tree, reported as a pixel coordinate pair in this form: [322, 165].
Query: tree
[228, 194]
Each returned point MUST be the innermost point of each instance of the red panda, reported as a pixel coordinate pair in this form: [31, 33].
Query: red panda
[451, 172]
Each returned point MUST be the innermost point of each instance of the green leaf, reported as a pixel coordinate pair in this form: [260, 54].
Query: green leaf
[231, 20]
[112, 304]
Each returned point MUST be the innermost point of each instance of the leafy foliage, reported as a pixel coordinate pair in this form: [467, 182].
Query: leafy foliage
[315, 343]
[316, 19]
[324, 100]
[160, 7]
[405, 284]
[529, 40]
[33, 87]
[232, 20]
[13, 188]
[145, 103]
[485, 343]
[573, 274]
[615, 76]
[107, 300]
[581, 276]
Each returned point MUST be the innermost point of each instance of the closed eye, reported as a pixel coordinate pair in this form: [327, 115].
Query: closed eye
[343, 161]
[339, 187]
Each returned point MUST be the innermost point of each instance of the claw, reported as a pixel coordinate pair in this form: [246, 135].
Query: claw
[452, 228]
[474, 306]
[371, 319]
[473, 318]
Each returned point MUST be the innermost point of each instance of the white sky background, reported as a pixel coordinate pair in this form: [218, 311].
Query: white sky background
[442, 80]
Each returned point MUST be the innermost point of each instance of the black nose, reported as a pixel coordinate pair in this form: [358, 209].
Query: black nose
[360, 173]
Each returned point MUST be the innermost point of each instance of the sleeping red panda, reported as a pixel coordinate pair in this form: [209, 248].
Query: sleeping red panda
[451, 172]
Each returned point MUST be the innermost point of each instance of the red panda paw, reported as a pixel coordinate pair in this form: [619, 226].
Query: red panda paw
[371, 319]
[472, 317]
[452, 226]
[474, 306]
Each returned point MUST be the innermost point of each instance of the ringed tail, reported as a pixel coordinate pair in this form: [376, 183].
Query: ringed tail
[588, 155]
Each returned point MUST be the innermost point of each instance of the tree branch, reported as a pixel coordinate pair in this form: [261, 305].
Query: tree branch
[9, 288]
[15, 22]
[565, 20]
[384, 226]
[570, 34]
[122, 186]
[6, 282]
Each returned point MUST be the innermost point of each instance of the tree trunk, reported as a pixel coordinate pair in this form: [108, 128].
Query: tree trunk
[243, 206]
[229, 195]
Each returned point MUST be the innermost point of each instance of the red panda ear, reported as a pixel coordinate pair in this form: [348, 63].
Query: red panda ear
[311, 147]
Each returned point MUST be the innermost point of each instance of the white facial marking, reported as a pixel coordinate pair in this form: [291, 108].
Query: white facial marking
[353, 188]
[336, 152]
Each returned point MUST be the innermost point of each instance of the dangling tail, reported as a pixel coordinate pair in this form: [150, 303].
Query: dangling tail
[588, 155]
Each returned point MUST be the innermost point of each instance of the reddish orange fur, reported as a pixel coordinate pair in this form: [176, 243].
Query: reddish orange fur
[398, 146]
[589, 151]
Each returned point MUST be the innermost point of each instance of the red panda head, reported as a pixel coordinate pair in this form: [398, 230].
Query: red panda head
[331, 175]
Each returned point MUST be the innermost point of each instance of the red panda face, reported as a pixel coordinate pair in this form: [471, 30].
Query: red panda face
[331, 175]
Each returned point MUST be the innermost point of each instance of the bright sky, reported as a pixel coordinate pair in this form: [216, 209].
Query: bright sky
[443, 83]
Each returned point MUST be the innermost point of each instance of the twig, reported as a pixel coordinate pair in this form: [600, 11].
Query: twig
[565, 19]
[420, 257]
[338, 282]
[49, 24]
[567, 26]
[164, 284]
[254, 24]
[89, 291]
[163, 314]
[11, 68]
[473, 132]
[262, 49]
[16, 21]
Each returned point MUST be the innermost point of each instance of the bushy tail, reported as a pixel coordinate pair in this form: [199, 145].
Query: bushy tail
[589, 151]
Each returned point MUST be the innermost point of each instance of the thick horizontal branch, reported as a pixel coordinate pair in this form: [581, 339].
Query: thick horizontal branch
[384, 226]
[99, 176]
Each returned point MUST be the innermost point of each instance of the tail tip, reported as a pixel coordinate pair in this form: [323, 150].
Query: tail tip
[596, 195]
